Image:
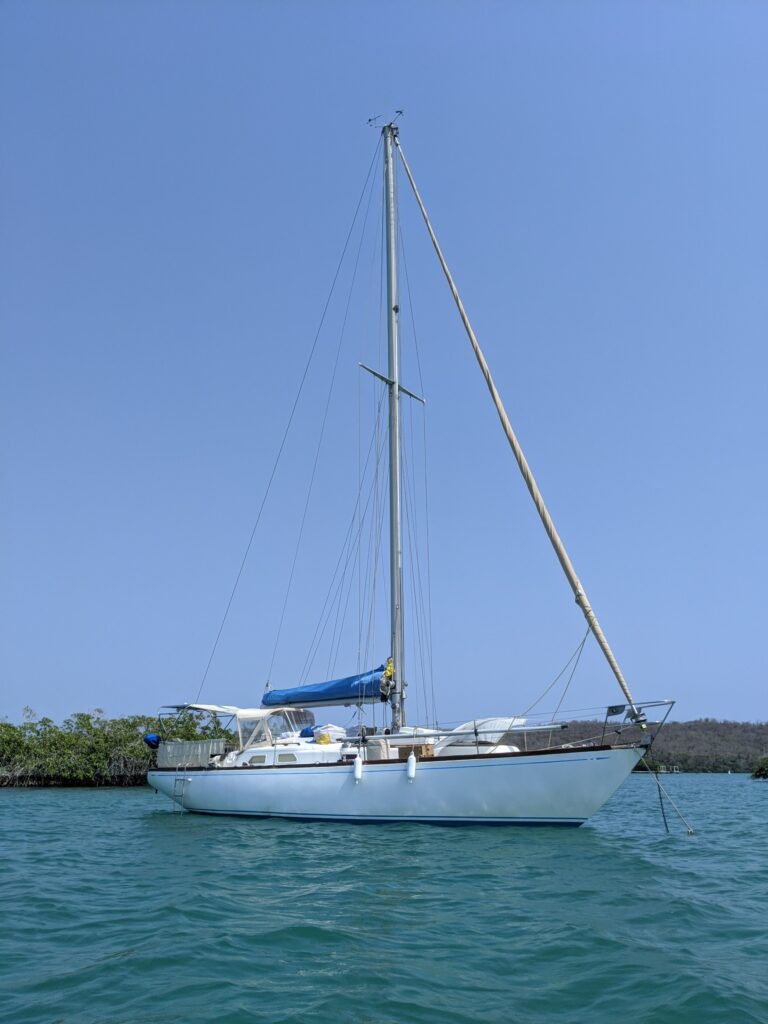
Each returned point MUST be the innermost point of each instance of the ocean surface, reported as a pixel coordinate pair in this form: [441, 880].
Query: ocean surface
[114, 908]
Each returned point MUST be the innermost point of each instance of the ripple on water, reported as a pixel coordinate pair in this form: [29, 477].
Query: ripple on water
[122, 910]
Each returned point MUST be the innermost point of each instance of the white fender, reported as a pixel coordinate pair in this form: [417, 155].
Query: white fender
[411, 766]
[358, 768]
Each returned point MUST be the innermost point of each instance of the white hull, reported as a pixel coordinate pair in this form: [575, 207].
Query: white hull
[559, 787]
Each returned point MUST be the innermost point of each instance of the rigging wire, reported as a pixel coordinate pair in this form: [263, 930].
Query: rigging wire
[349, 540]
[320, 438]
[377, 552]
[419, 604]
[576, 654]
[340, 615]
[572, 673]
[288, 426]
[341, 603]
[379, 493]
[568, 681]
[375, 328]
[338, 627]
[357, 512]
[329, 601]
[339, 618]
[415, 581]
[341, 610]
[430, 649]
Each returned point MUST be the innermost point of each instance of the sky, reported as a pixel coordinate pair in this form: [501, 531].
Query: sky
[177, 182]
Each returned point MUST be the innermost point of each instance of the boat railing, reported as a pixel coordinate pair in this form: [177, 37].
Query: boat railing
[586, 726]
[188, 753]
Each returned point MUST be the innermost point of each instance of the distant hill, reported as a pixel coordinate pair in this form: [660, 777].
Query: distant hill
[704, 745]
[707, 745]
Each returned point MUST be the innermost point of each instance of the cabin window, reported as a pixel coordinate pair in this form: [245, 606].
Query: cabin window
[253, 732]
[258, 759]
[281, 724]
[286, 758]
[301, 718]
[287, 723]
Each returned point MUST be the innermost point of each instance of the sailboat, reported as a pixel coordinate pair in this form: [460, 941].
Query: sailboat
[275, 761]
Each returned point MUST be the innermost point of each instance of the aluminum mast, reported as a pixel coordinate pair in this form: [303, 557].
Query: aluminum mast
[397, 697]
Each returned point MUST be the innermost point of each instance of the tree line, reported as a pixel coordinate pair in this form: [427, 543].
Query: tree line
[88, 749]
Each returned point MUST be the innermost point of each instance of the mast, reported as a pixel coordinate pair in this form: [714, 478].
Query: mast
[582, 601]
[397, 698]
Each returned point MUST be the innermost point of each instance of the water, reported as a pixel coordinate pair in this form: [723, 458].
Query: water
[115, 909]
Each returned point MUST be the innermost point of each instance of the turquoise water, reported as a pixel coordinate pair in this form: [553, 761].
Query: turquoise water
[116, 909]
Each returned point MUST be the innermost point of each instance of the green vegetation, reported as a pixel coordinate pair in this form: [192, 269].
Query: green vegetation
[90, 750]
[704, 745]
[85, 750]
[707, 745]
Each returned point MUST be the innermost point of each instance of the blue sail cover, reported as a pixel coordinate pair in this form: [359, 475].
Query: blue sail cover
[362, 689]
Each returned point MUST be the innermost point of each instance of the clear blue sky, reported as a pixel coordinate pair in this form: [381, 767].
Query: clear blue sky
[176, 183]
